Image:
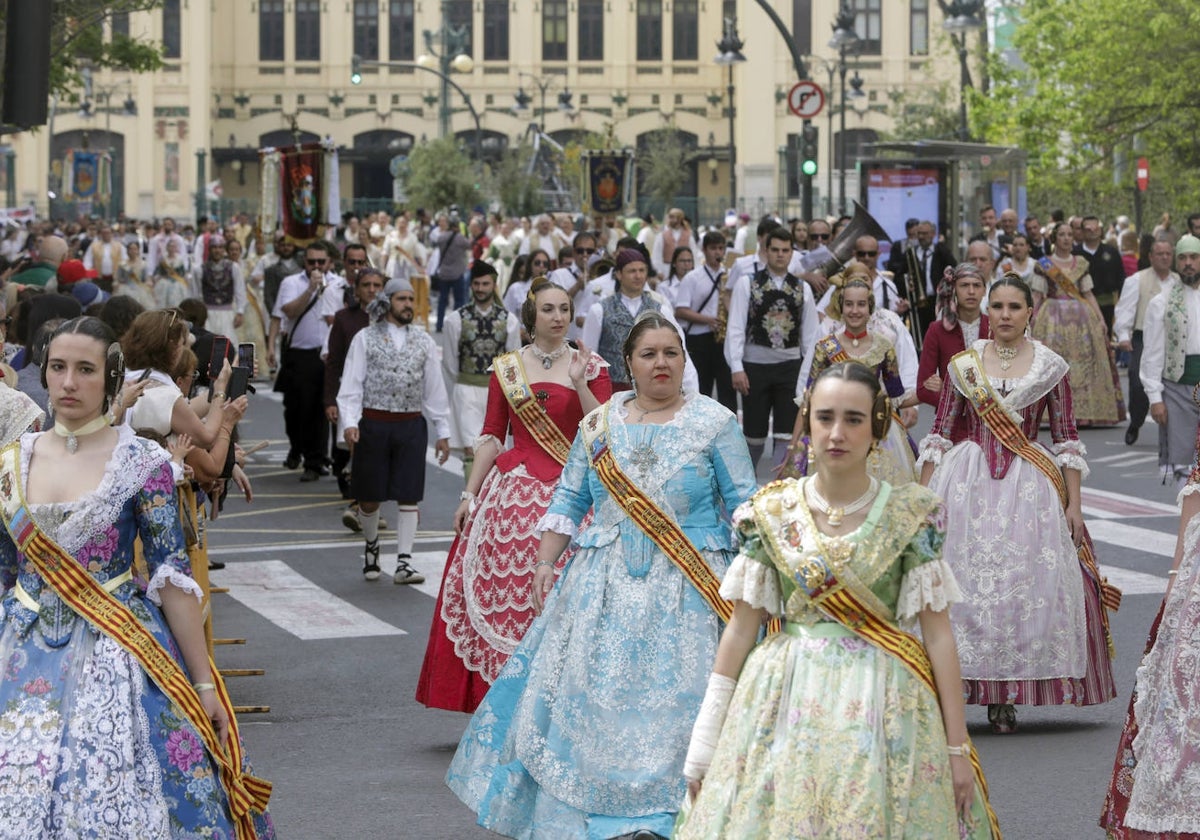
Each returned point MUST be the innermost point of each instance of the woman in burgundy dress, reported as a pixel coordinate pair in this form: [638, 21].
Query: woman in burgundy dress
[538, 393]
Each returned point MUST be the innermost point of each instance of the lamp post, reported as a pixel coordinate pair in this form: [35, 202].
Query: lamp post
[448, 57]
[542, 84]
[844, 39]
[960, 17]
[729, 53]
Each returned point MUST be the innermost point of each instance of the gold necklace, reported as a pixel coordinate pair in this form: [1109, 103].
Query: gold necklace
[1006, 354]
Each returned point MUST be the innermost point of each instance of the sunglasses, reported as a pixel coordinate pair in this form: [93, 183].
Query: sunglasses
[356, 262]
[866, 253]
[585, 250]
[315, 262]
[820, 236]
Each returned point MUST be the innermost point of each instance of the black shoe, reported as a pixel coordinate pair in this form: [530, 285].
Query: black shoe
[371, 560]
[1131, 436]
[310, 475]
[215, 564]
[291, 462]
[320, 470]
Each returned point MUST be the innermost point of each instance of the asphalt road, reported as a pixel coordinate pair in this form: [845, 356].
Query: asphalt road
[351, 754]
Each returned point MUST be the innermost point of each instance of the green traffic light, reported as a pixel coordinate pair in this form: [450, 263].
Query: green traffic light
[809, 167]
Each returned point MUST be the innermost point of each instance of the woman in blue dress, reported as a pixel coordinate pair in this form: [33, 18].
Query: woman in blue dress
[583, 734]
[90, 744]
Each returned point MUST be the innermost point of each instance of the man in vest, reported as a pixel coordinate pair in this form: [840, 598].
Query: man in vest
[218, 282]
[471, 338]
[104, 256]
[390, 383]
[1129, 320]
[772, 327]
[1170, 367]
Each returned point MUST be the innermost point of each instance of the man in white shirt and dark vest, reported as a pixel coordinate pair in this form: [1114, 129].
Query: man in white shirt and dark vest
[218, 281]
[772, 327]
[1170, 367]
[1129, 319]
[471, 338]
[390, 384]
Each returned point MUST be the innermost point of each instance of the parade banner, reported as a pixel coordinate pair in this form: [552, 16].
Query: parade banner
[608, 180]
[87, 176]
[300, 190]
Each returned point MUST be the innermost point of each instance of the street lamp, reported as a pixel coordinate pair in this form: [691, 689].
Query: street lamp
[729, 53]
[962, 16]
[448, 57]
[523, 99]
[844, 40]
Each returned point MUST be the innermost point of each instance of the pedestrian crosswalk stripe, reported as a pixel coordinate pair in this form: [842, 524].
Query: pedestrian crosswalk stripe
[1132, 537]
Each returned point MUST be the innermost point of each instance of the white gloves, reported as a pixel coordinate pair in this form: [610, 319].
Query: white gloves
[708, 726]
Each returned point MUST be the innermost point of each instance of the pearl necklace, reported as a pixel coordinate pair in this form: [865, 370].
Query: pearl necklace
[72, 443]
[548, 359]
[837, 514]
[1006, 354]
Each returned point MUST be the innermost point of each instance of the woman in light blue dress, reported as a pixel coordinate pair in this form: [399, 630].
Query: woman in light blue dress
[583, 734]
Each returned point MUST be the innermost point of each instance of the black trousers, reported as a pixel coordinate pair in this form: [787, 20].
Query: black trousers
[1139, 403]
[711, 368]
[772, 396]
[304, 407]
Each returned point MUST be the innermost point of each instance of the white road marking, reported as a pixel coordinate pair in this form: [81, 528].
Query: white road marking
[351, 542]
[1124, 456]
[291, 601]
[1134, 583]
[1132, 537]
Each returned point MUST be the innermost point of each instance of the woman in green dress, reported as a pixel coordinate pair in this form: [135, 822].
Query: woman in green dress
[842, 725]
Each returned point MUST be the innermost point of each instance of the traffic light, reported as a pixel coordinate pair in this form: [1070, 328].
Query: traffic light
[808, 150]
[355, 70]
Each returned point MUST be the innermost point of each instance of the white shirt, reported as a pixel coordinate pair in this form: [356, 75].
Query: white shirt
[661, 261]
[738, 351]
[750, 265]
[551, 243]
[694, 293]
[434, 403]
[514, 297]
[158, 249]
[1154, 351]
[595, 321]
[311, 332]
[885, 287]
[112, 257]
[1125, 312]
[452, 332]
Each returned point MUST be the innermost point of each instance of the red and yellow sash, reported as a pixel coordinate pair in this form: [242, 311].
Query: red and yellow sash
[663, 531]
[979, 391]
[82, 593]
[525, 405]
[1060, 278]
[817, 580]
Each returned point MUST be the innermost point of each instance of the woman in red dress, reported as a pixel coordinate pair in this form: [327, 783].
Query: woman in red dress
[538, 393]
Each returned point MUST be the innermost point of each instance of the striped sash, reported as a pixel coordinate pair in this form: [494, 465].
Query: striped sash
[662, 530]
[979, 392]
[87, 597]
[525, 405]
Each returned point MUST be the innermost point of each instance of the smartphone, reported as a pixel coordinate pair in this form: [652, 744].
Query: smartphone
[245, 356]
[239, 382]
[220, 351]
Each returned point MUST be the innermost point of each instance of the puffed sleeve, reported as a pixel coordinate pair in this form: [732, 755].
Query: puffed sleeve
[572, 497]
[1069, 451]
[162, 536]
[927, 582]
[752, 576]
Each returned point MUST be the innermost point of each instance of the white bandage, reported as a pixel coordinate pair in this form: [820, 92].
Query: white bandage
[708, 726]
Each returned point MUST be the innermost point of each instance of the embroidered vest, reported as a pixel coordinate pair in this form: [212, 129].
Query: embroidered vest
[395, 378]
[614, 329]
[1148, 286]
[773, 317]
[216, 283]
[1175, 327]
[484, 337]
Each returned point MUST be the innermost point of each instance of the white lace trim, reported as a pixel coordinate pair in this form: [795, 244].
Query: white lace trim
[933, 447]
[753, 582]
[556, 523]
[482, 439]
[1188, 489]
[1044, 373]
[169, 574]
[930, 586]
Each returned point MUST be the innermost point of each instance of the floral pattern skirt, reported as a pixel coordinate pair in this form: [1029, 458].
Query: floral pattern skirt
[828, 736]
[1074, 331]
[90, 747]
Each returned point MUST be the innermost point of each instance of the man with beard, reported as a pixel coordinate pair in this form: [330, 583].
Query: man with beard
[389, 385]
[219, 283]
[272, 268]
[1170, 366]
[1129, 324]
[472, 337]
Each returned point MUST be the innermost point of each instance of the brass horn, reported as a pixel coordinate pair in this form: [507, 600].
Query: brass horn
[842, 248]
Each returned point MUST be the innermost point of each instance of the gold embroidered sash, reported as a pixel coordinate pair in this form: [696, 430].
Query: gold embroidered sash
[663, 531]
[87, 597]
[524, 403]
[1060, 278]
[979, 391]
[816, 578]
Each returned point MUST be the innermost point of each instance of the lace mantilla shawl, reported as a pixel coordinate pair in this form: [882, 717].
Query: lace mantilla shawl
[18, 414]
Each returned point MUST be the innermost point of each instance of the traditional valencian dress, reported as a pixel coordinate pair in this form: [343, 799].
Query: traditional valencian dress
[1072, 328]
[90, 746]
[894, 460]
[585, 730]
[829, 734]
[1031, 628]
[1155, 787]
[484, 606]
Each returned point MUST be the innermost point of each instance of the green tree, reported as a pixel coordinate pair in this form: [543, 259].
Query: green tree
[1099, 80]
[662, 163]
[440, 175]
[929, 112]
[520, 193]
